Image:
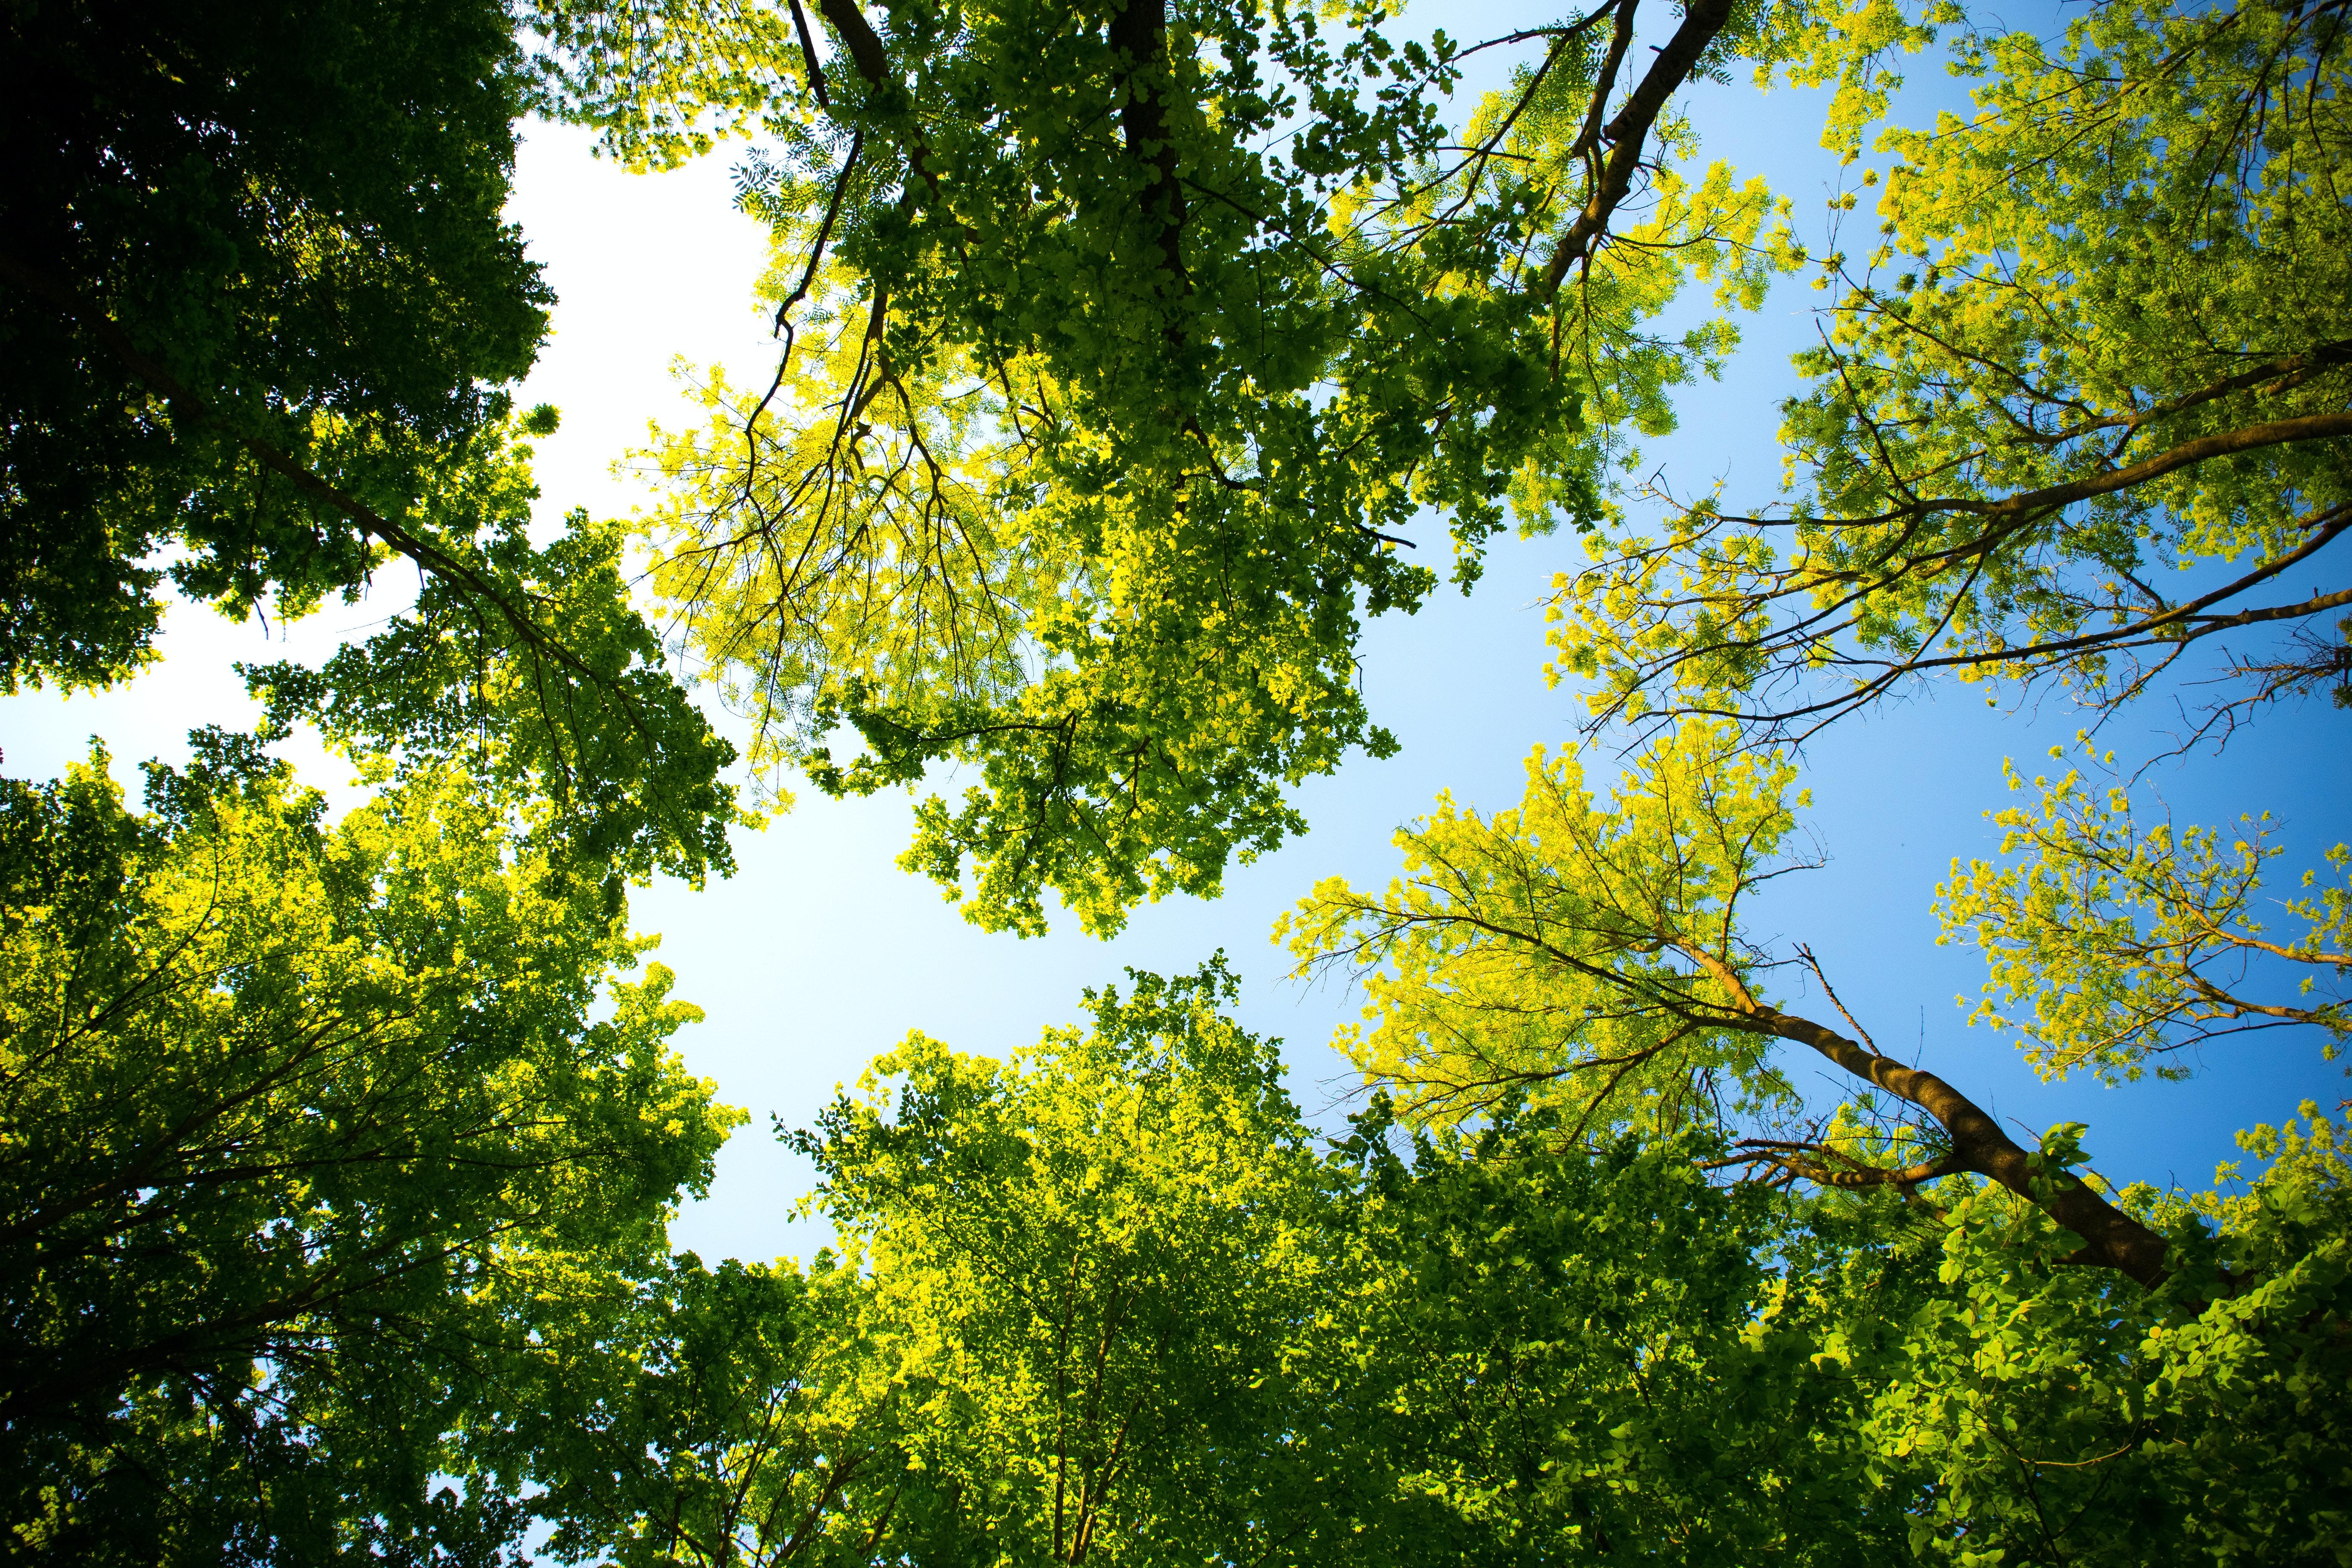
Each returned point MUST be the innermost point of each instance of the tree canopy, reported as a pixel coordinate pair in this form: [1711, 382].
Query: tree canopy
[262, 314]
[2099, 338]
[1097, 427]
[1108, 1302]
[300, 1122]
[1127, 357]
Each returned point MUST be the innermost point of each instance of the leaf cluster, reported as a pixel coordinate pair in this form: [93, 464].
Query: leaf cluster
[263, 313]
[2132, 942]
[284, 1103]
[1121, 355]
[2098, 341]
[1102, 1300]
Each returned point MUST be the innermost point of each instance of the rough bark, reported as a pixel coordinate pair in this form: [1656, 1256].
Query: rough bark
[2110, 1236]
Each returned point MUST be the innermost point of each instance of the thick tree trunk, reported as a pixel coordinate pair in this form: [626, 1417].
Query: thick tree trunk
[2110, 1236]
[1140, 32]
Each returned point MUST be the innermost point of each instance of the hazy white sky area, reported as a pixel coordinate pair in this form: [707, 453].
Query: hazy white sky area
[819, 952]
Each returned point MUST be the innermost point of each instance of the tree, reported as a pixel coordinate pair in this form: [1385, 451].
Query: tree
[284, 1103]
[1055, 1331]
[1097, 430]
[1590, 952]
[1558, 1348]
[2110, 349]
[713, 1416]
[1622, 1302]
[2132, 944]
[2061, 1370]
[2100, 337]
[268, 228]
[1084, 1264]
[2053, 1414]
[260, 311]
[1102, 1302]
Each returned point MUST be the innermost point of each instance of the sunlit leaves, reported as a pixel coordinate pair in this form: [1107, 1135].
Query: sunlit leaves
[284, 1103]
[1576, 950]
[2098, 342]
[1102, 426]
[2113, 942]
[1085, 1262]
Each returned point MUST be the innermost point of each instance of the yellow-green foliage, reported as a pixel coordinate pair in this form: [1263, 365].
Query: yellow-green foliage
[1096, 442]
[1084, 1261]
[1106, 1301]
[2111, 943]
[1571, 948]
[2137, 242]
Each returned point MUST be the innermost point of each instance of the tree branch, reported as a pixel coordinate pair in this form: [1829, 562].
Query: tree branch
[1701, 22]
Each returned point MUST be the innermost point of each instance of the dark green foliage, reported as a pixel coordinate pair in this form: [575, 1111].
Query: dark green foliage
[259, 307]
[1563, 1353]
[285, 1109]
[289, 210]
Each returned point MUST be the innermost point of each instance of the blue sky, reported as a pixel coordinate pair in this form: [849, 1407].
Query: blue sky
[819, 953]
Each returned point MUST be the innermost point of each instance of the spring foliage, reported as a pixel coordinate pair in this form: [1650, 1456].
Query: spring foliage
[288, 1106]
[2098, 339]
[1109, 1300]
[1126, 354]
